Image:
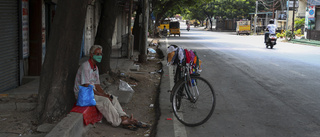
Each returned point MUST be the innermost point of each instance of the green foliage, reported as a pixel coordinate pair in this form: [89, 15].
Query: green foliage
[299, 23]
[231, 8]
[289, 35]
[298, 32]
[200, 9]
[280, 35]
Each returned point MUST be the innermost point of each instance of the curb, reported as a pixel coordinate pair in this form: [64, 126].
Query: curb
[70, 126]
[307, 42]
[165, 126]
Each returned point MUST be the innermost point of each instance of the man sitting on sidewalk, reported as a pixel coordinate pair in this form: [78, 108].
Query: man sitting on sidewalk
[109, 106]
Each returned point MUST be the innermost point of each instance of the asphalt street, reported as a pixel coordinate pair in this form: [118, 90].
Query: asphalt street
[260, 92]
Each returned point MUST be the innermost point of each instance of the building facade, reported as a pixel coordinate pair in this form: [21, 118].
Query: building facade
[24, 31]
[312, 23]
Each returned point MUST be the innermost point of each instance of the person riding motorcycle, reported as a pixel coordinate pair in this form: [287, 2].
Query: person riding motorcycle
[165, 31]
[271, 29]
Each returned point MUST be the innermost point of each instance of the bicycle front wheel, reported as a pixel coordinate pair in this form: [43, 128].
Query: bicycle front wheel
[193, 101]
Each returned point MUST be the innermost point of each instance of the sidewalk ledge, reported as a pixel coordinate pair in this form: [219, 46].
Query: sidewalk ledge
[70, 126]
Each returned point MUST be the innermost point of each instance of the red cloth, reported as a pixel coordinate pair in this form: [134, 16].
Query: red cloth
[187, 56]
[91, 114]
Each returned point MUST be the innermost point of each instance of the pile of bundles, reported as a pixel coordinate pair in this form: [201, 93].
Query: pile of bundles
[178, 55]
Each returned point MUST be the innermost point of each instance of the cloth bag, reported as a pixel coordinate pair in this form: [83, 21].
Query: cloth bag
[86, 96]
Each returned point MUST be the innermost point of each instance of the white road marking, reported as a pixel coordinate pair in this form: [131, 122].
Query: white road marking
[179, 128]
[274, 64]
[297, 73]
[292, 71]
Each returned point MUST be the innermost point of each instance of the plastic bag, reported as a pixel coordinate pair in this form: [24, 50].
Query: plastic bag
[86, 96]
[151, 50]
[124, 86]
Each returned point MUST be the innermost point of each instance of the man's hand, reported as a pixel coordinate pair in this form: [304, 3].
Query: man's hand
[109, 97]
[100, 92]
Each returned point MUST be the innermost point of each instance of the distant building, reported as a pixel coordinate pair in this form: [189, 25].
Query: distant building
[313, 20]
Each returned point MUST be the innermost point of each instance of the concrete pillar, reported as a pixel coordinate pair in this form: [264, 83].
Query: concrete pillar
[97, 14]
[130, 49]
[123, 23]
[118, 23]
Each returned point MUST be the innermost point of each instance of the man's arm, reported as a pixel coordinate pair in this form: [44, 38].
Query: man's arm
[100, 92]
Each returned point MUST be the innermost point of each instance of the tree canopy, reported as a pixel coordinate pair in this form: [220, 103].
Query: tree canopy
[226, 9]
[200, 9]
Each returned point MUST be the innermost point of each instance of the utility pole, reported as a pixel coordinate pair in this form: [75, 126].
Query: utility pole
[255, 19]
[294, 8]
[287, 15]
[272, 9]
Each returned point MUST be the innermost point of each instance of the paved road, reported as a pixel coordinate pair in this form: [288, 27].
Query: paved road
[260, 92]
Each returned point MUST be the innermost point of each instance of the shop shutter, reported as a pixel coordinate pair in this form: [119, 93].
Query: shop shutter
[9, 44]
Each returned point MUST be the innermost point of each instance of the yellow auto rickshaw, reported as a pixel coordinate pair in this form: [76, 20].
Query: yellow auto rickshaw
[174, 28]
[164, 23]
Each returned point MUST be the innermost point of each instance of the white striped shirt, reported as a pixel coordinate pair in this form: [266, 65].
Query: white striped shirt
[86, 75]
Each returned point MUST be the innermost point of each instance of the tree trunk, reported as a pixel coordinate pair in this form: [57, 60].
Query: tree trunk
[56, 96]
[144, 39]
[105, 32]
[206, 23]
[136, 29]
[211, 24]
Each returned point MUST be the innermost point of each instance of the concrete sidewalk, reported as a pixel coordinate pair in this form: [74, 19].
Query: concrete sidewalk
[70, 126]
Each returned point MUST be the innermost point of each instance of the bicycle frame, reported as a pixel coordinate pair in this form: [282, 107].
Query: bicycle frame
[192, 93]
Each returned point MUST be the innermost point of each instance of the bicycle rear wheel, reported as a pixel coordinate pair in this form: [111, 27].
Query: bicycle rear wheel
[193, 112]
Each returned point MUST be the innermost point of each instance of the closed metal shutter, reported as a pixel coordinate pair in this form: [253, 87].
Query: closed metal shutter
[9, 44]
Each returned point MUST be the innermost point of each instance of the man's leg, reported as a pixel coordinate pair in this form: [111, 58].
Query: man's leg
[105, 106]
[118, 107]
[266, 35]
[123, 114]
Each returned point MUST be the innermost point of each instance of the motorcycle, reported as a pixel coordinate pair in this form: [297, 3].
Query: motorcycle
[271, 41]
[165, 33]
[188, 27]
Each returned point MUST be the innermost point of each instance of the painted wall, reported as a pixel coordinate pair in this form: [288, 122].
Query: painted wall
[302, 8]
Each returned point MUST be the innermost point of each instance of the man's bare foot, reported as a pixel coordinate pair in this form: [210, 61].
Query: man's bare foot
[126, 120]
[134, 121]
[127, 123]
[138, 123]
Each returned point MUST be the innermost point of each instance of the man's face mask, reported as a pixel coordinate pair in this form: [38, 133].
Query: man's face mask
[97, 58]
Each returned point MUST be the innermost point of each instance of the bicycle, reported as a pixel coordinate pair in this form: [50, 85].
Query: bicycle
[192, 97]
